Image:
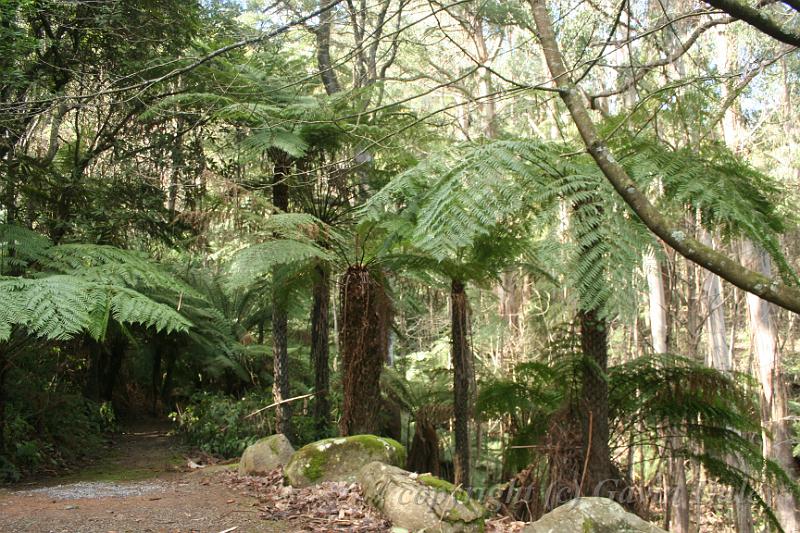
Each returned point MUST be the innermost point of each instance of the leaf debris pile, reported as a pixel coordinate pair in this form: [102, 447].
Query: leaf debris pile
[328, 506]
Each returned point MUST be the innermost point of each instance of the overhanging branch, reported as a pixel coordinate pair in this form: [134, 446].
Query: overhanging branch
[706, 257]
[758, 19]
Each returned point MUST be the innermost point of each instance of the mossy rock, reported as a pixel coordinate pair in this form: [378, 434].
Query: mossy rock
[266, 455]
[339, 459]
[420, 502]
[591, 515]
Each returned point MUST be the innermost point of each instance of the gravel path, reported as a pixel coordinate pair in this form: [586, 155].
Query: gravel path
[95, 489]
[142, 485]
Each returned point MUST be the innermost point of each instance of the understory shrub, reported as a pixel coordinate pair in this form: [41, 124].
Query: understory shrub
[219, 424]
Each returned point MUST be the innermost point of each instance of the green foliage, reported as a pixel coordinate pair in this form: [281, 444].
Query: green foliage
[457, 199]
[219, 424]
[49, 423]
[79, 288]
[216, 423]
[700, 407]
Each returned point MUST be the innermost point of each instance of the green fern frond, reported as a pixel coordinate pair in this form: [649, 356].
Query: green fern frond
[258, 260]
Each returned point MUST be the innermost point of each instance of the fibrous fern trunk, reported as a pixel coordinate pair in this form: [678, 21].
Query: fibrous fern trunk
[462, 381]
[320, 348]
[364, 344]
[594, 404]
[280, 352]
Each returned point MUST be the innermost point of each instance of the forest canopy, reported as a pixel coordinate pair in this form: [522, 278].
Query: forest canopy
[544, 243]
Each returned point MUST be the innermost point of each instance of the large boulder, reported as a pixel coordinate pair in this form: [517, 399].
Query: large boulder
[591, 515]
[420, 502]
[266, 455]
[339, 459]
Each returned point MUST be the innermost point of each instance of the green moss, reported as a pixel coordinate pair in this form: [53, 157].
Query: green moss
[378, 445]
[314, 463]
[441, 485]
[314, 460]
[273, 445]
[454, 514]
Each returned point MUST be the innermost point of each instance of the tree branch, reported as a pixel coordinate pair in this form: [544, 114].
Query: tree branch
[706, 257]
[756, 18]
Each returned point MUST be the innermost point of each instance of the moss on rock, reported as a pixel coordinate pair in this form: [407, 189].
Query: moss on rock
[339, 459]
[420, 502]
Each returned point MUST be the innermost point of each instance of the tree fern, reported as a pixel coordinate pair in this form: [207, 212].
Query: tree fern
[655, 395]
[58, 307]
[457, 197]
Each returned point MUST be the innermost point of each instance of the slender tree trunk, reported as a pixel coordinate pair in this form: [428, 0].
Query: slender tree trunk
[679, 496]
[4, 367]
[320, 348]
[718, 356]
[280, 319]
[364, 341]
[169, 374]
[777, 434]
[155, 376]
[116, 354]
[657, 301]
[462, 382]
[323, 34]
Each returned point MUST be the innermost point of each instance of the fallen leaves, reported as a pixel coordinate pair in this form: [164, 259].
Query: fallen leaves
[504, 524]
[327, 506]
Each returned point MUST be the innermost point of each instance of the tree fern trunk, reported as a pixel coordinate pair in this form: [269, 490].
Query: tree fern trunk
[363, 339]
[280, 361]
[594, 404]
[320, 349]
[280, 353]
[462, 380]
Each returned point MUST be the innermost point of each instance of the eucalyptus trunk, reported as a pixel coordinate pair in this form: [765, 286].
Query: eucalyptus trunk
[364, 343]
[462, 381]
[777, 435]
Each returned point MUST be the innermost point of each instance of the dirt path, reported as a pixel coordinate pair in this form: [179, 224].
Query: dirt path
[142, 485]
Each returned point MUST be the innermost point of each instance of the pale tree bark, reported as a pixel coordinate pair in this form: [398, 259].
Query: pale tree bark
[678, 516]
[727, 57]
[777, 434]
[669, 231]
[717, 353]
[323, 36]
[718, 356]
[658, 303]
